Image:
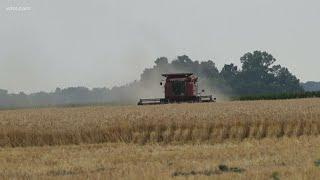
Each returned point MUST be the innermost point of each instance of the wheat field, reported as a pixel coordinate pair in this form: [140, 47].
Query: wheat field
[254, 140]
[165, 124]
[288, 158]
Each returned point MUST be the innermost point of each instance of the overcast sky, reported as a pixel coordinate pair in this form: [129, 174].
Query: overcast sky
[97, 43]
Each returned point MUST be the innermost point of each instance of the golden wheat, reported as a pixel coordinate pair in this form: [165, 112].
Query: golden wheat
[263, 139]
[290, 158]
[174, 124]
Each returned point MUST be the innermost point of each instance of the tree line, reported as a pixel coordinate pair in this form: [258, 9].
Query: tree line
[258, 75]
[311, 86]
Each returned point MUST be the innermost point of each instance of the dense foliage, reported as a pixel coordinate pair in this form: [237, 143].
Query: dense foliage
[308, 94]
[258, 75]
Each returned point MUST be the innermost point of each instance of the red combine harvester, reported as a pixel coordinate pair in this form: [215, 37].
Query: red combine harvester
[178, 88]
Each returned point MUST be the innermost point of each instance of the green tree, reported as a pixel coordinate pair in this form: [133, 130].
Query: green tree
[260, 76]
[162, 61]
[287, 82]
[229, 72]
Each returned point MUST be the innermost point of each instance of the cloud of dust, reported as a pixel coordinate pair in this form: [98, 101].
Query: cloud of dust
[212, 89]
[151, 88]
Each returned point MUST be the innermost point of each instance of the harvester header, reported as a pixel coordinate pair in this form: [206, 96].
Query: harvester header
[179, 88]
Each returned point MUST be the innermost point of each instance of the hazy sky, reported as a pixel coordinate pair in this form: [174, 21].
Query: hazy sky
[97, 43]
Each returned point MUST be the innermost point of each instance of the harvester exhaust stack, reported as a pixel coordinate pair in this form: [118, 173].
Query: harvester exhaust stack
[178, 88]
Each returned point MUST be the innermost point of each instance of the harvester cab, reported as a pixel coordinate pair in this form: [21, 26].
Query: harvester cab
[179, 88]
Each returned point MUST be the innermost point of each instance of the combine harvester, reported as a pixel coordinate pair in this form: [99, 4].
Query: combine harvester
[179, 88]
